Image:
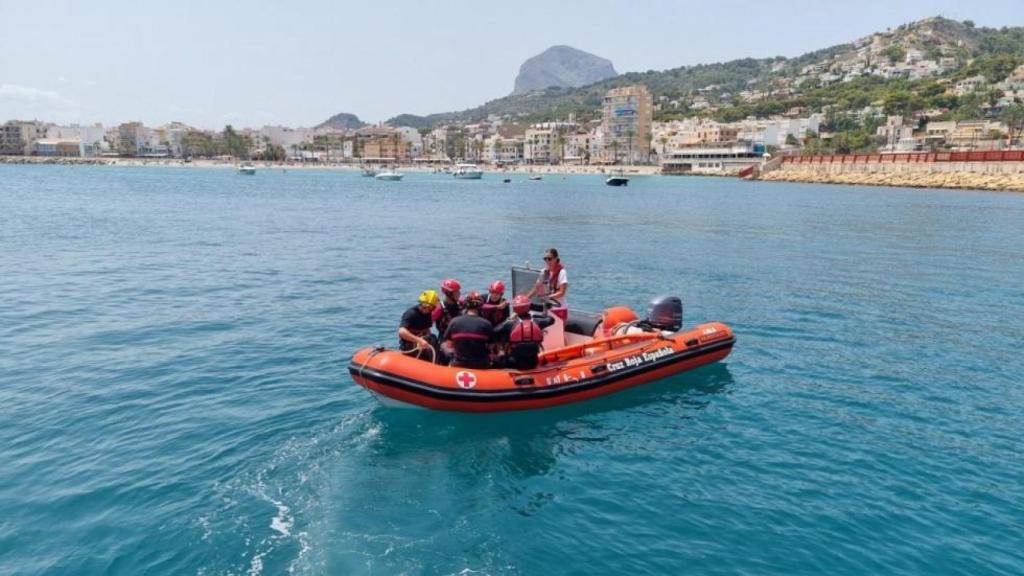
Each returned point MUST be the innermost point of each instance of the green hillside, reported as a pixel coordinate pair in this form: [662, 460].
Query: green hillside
[988, 51]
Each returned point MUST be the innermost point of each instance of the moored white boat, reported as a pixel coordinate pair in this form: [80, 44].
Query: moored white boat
[247, 169]
[389, 175]
[467, 172]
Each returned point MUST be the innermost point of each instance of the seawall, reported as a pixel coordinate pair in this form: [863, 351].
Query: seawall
[1003, 172]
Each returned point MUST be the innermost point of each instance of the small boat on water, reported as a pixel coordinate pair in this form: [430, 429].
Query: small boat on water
[389, 175]
[467, 172]
[536, 177]
[585, 355]
[247, 169]
[617, 180]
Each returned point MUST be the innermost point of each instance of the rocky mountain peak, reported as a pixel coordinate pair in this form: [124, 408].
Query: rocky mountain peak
[562, 66]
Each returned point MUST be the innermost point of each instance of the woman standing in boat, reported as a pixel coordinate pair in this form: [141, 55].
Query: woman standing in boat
[553, 282]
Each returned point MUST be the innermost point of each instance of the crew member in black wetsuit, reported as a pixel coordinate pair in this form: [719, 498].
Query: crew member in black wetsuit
[470, 335]
[414, 329]
[450, 306]
[495, 307]
[521, 336]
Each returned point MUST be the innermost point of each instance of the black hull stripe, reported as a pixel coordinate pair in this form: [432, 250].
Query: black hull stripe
[532, 392]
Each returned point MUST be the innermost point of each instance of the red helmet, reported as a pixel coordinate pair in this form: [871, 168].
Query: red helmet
[497, 287]
[520, 304]
[474, 300]
[450, 286]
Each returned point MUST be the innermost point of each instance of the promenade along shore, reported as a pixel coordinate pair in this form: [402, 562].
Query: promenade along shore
[554, 169]
[1004, 175]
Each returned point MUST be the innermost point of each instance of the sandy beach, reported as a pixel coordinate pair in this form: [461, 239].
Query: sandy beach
[222, 164]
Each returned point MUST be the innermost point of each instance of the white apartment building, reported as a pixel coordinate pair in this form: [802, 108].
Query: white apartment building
[578, 147]
[968, 85]
[291, 139]
[414, 139]
[504, 150]
[92, 136]
[539, 146]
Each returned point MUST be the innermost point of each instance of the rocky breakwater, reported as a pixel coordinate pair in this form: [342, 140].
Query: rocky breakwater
[968, 178]
[64, 161]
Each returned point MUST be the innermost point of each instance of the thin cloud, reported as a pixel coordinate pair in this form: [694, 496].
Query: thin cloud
[26, 101]
[28, 94]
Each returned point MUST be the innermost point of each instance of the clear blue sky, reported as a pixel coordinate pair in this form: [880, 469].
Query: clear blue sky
[253, 63]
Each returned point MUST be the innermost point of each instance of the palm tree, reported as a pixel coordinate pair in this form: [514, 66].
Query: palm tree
[424, 132]
[497, 147]
[560, 141]
[664, 142]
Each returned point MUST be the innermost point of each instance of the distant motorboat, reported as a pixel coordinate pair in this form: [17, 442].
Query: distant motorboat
[467, 172]
[389, 175]
[617, 181]
[536, 177]
[507, 180]
[247, 169]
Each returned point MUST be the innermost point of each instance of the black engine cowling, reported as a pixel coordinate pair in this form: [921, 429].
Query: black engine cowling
[666, 313]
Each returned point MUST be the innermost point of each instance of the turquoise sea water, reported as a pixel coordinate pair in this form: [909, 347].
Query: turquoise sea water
[174, 398]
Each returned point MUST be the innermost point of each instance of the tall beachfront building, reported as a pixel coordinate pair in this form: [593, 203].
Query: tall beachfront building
[627, 124]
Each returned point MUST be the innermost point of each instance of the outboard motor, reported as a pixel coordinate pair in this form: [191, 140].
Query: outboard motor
[666, 313]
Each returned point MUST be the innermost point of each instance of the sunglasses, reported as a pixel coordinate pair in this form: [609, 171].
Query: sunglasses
[548, 258]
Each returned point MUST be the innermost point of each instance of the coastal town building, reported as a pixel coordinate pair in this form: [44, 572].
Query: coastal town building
[627, 114]
[504, 150]
[16, 137]
[61, 147]
[539, 146]
[92, 137]
[898, 136]
[129, 136]
[578, 147]
[968, 85]
[413, 140]
[380, 144]
[713, 160]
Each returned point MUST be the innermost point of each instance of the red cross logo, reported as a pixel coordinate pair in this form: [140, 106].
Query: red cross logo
[465, 380]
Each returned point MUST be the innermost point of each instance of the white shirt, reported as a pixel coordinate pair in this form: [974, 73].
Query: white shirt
[563, 279]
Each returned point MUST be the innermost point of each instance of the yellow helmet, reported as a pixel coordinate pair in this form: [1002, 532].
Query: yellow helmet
[429, 297]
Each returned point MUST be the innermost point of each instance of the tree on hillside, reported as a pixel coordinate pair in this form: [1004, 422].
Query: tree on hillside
[1013, 116]
[894, 53]
[901, 102]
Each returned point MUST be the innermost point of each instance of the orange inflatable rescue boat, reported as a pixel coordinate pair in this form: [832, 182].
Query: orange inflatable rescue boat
[585, 355]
